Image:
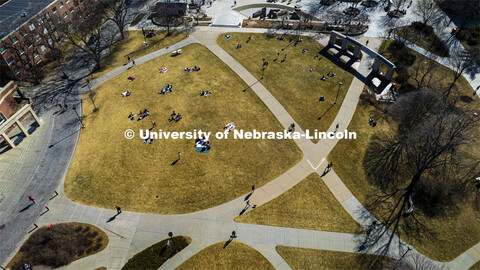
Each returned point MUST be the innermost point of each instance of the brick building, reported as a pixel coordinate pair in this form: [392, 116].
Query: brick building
[28, 33]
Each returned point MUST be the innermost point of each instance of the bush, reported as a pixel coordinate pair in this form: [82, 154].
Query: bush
[401, 54]
[154, 256]
[426, 29]
[60, 245]
[474, 38]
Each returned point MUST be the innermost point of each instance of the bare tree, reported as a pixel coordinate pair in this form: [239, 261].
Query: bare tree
[398, 4]
[425, 167]
[466, 10]
[92, 96]
[92, 36]
[402, 34]
[427, 10]
[460, 63]
[116, 11]
[423, 72]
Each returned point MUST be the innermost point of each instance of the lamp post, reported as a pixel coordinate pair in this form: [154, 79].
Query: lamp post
[79, 118]
[409, 248]
[336, 98]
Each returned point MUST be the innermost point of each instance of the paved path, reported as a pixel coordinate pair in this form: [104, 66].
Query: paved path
[130, 232]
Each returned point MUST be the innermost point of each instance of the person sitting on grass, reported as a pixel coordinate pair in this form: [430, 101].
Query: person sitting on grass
[312, 69]
[177, 52]
[148, 140]
[280, 38]
[227, 36]
[324, 78]
[126, 94]
[321, 98]
[196, 68]
[130, 78]
[206, 93]
[163, 70]
[238, 46]
[178, 117]
[304, 50]
[132, 116]
[187, 69]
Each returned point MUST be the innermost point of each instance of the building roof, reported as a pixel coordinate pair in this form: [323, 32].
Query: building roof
[14, 13]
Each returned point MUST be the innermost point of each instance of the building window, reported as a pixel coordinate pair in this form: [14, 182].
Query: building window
[2, 118]
[20, 52]
[81, 1]
[50, 41]
[27, 61]
[47, 15]
[16, 71]
[14, 40]
[66, 1]
[71, 10]
[65, 14]
[3, 49]
[60, 5]
[38, 37]
[43, 48]
[31, 27]
[45, 31]
[35, 54]
[29, 43]
[23, 32]
[10, 60]
[76, 3]
[54, 9]
[39, 20]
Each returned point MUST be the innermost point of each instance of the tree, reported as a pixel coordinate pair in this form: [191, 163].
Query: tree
[51, 33]
[28, 49]
[427, 10]
[398, 4]
[116, 12]
[466, 10]
[92, 95]
[460, 63]
[422, 72]
[425, 167]
[92, 36]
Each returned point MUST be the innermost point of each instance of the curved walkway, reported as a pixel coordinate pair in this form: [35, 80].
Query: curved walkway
[132, 232]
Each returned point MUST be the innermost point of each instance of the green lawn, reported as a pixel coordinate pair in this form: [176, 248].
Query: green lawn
[291, 82]
[314, 259]
[109, 170]
[308, 205]
[133, 46]
[157, 254]
[451, 235]
[236, 255]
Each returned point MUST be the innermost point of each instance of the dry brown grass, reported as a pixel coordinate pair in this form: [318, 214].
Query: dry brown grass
[291, 82]
[314, 259]
[235, 256]
[308, 205]
[109, 170]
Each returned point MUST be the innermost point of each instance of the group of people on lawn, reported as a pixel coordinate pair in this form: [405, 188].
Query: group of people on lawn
[141, 115]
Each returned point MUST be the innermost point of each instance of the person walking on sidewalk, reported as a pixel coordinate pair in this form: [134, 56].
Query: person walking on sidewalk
[32, 199]
[119, 209]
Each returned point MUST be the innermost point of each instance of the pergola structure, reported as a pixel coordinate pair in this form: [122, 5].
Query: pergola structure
[359, 47]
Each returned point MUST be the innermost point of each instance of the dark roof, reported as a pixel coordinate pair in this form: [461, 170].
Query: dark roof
[11, 13]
